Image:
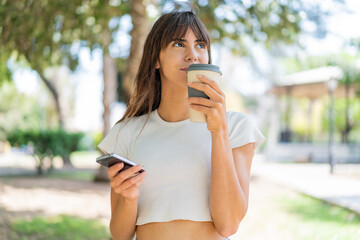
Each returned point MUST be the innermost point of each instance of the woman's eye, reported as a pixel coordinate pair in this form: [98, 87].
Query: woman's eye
[178, 44]
[201, 45]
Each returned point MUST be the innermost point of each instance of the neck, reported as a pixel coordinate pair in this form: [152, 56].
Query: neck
[173, 107]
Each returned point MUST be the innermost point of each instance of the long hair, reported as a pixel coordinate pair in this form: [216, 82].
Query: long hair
[147, 94]
[174, 25]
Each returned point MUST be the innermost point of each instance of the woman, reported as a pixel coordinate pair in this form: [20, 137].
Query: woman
[196, 179]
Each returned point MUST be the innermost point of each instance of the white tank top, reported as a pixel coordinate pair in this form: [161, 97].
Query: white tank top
[177, 158]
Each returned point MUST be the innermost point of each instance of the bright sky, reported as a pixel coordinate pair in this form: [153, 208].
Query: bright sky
[88, 106]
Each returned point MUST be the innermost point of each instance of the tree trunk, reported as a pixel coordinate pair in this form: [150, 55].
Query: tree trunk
[55, 95]
[109, 94]
[347, 113]
[67, 162]
[38, 163]
[141, 26]
[110, 87]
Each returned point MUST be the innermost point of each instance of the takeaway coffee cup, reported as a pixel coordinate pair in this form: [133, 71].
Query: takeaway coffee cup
[211, 72]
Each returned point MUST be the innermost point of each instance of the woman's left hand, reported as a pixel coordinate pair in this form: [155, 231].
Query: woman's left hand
[213, 108]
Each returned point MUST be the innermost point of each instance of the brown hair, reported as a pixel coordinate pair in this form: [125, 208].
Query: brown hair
[147, 94]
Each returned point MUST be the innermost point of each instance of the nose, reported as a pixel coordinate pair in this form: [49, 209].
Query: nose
[191, 55]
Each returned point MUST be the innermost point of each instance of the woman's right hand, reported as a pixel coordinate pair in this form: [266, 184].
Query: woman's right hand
[125, 183]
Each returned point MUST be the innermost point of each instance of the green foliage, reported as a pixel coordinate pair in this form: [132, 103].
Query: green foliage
[340, 119]
[234, 23]
[317, 130]
[5, 73]
[346, 62]
[355, 42]
[351, 76]
[46, 143]
[318, 219]
[43, 32]
[62, 227]
[293, 65]
[346, 129]
[51, 33]
[18, 111]
[97, 138]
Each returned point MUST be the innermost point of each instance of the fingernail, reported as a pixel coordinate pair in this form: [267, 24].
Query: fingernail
[200, 76]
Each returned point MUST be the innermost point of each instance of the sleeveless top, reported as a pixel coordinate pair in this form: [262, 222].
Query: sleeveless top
[177, 158]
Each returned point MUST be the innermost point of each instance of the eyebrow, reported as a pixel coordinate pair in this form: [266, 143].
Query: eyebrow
[184, 40]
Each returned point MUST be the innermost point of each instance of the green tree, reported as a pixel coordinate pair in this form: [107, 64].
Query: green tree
[46, 33]
[30, 31]
[18, 111]
[46, 144]
[346, 106]
[350, 80]
[347, 129]
[50, 33]
[5, 73]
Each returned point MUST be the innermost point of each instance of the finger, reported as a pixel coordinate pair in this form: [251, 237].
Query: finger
[208, 90]
[133, 180]
[125, 174]
[137, 180]
[131, 192]
[131, 171]
[211, 83]
[205, 110]
[134, 186]
[113, 170]
[120, 183]
[201, 101]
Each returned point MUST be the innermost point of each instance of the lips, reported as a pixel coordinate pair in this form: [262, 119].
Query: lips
[184, 69]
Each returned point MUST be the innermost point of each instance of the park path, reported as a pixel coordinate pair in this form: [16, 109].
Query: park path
[27, 197]
[30, 196]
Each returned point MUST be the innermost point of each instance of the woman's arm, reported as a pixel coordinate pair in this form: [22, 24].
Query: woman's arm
[229, 187]
[230, 169]
[124, 196]
[123, 217]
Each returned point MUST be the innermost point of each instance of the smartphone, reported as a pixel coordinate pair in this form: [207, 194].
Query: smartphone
[109, 160]
[192, 92]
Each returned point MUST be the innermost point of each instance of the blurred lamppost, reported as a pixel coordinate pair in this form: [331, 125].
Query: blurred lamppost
[331, 84]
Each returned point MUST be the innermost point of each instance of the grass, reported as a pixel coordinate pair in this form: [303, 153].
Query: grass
[309, 218]
[84, 163]
[75, 174]
[62, 227]
[72, 175]
[84, 157]
[80, 173]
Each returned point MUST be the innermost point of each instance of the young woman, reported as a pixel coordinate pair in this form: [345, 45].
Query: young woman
[196, 179]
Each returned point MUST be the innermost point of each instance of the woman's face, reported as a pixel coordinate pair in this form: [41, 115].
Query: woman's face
[178, 56]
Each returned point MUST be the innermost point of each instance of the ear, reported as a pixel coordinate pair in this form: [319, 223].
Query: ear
[157, 66]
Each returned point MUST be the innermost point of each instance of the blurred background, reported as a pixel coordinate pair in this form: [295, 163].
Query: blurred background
[66, 74]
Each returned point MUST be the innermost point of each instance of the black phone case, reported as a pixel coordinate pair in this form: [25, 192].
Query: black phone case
[192, 92]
